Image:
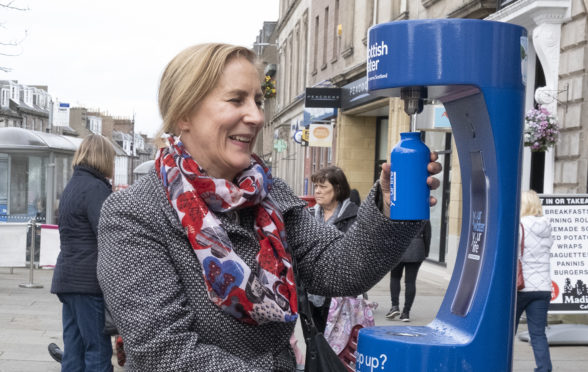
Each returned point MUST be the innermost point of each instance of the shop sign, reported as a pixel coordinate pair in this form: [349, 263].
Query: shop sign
[322, 97]
[320, 135]
[568, 215]
[356, 94]
[280, 145]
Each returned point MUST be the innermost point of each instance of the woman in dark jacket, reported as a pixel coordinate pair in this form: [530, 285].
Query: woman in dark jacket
[86, 346]
[333, 207]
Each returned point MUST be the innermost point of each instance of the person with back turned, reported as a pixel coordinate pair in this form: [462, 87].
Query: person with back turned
[536, 239]
[86, 346]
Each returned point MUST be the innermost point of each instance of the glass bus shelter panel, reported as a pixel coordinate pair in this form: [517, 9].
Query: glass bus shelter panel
[27, 192]
[3, 187]
[63, 172]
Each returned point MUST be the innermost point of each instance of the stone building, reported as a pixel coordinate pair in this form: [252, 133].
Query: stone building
[329, 49]
[24, 106]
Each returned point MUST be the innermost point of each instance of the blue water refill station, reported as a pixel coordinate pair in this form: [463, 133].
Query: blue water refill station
[477, 70]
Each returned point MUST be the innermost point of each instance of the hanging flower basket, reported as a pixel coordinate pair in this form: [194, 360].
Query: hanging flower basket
[541, 129]
[269, 87]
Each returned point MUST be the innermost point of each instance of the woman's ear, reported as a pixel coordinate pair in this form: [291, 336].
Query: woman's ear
[183, 125]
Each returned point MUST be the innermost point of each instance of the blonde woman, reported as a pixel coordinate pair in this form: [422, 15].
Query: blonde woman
[86, 346]
[195, 259]
[535, 234]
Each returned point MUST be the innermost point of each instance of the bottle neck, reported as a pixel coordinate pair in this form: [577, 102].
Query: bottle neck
[410, 135]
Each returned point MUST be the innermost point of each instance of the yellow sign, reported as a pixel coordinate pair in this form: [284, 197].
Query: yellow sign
[305, 135]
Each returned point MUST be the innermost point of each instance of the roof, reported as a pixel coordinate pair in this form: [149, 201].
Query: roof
[13, 138]
[144, 167]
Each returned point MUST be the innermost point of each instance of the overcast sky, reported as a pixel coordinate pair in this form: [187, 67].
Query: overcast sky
[110, 54]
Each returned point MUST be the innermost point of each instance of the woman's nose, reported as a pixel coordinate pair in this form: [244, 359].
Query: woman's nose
[254, 114]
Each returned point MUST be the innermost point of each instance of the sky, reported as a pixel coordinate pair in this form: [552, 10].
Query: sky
[110, 54]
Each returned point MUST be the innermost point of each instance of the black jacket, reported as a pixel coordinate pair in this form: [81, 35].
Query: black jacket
[346, 219]
[419, 246]
[79, 212]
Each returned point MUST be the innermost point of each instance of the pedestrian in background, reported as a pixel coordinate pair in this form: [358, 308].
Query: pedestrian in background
[410, 263]
[195, 259]
[86, 346]
[354, 197]
[535, 237]
[333, 207]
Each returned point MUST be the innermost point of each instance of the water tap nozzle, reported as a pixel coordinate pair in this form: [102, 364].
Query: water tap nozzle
[413, 98]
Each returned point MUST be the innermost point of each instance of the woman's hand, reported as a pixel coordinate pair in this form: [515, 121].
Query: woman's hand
[434, 167]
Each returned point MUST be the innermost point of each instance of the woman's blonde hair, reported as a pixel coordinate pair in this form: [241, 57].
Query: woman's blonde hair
[530, 204]
[190, 76]
[97, 152]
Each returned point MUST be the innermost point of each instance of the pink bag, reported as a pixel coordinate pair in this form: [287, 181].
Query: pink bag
[344, 314]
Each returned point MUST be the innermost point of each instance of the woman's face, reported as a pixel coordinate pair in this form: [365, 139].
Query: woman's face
[324, 194]
[221, 132]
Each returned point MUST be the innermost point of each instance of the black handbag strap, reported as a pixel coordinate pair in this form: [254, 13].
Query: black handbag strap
[308, 327]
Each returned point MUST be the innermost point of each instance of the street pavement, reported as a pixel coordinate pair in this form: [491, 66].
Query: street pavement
[30, 319]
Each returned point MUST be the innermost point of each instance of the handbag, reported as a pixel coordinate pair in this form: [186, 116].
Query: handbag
[320, 357]
[520, 278]
[344, 314]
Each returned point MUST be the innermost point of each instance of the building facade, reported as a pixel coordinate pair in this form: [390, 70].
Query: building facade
[367, 127]
[24, 106]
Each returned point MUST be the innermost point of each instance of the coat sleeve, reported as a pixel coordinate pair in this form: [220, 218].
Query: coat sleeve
[332, 263]
[146, 297]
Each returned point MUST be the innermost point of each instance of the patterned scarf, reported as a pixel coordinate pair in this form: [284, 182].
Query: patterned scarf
[264, 294]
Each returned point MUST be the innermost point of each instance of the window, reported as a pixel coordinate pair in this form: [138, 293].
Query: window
[369, 18]
[303, 58]
[325, 38]
[3, 180]
[335, 31]
[291, 79]
[297, 61]
[316, 33]
[18, 185]
[4, 98]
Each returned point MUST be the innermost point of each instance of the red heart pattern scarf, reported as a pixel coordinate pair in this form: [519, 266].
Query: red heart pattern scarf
[266, 293]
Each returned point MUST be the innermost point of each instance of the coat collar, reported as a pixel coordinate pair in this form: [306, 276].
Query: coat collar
[80, 169]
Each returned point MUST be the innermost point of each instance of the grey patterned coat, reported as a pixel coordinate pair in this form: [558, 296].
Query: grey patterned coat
[153, 283]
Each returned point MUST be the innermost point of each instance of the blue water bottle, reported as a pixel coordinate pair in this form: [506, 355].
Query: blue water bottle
[409, 193]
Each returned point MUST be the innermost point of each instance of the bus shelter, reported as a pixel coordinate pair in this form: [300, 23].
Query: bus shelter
[34, 169]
